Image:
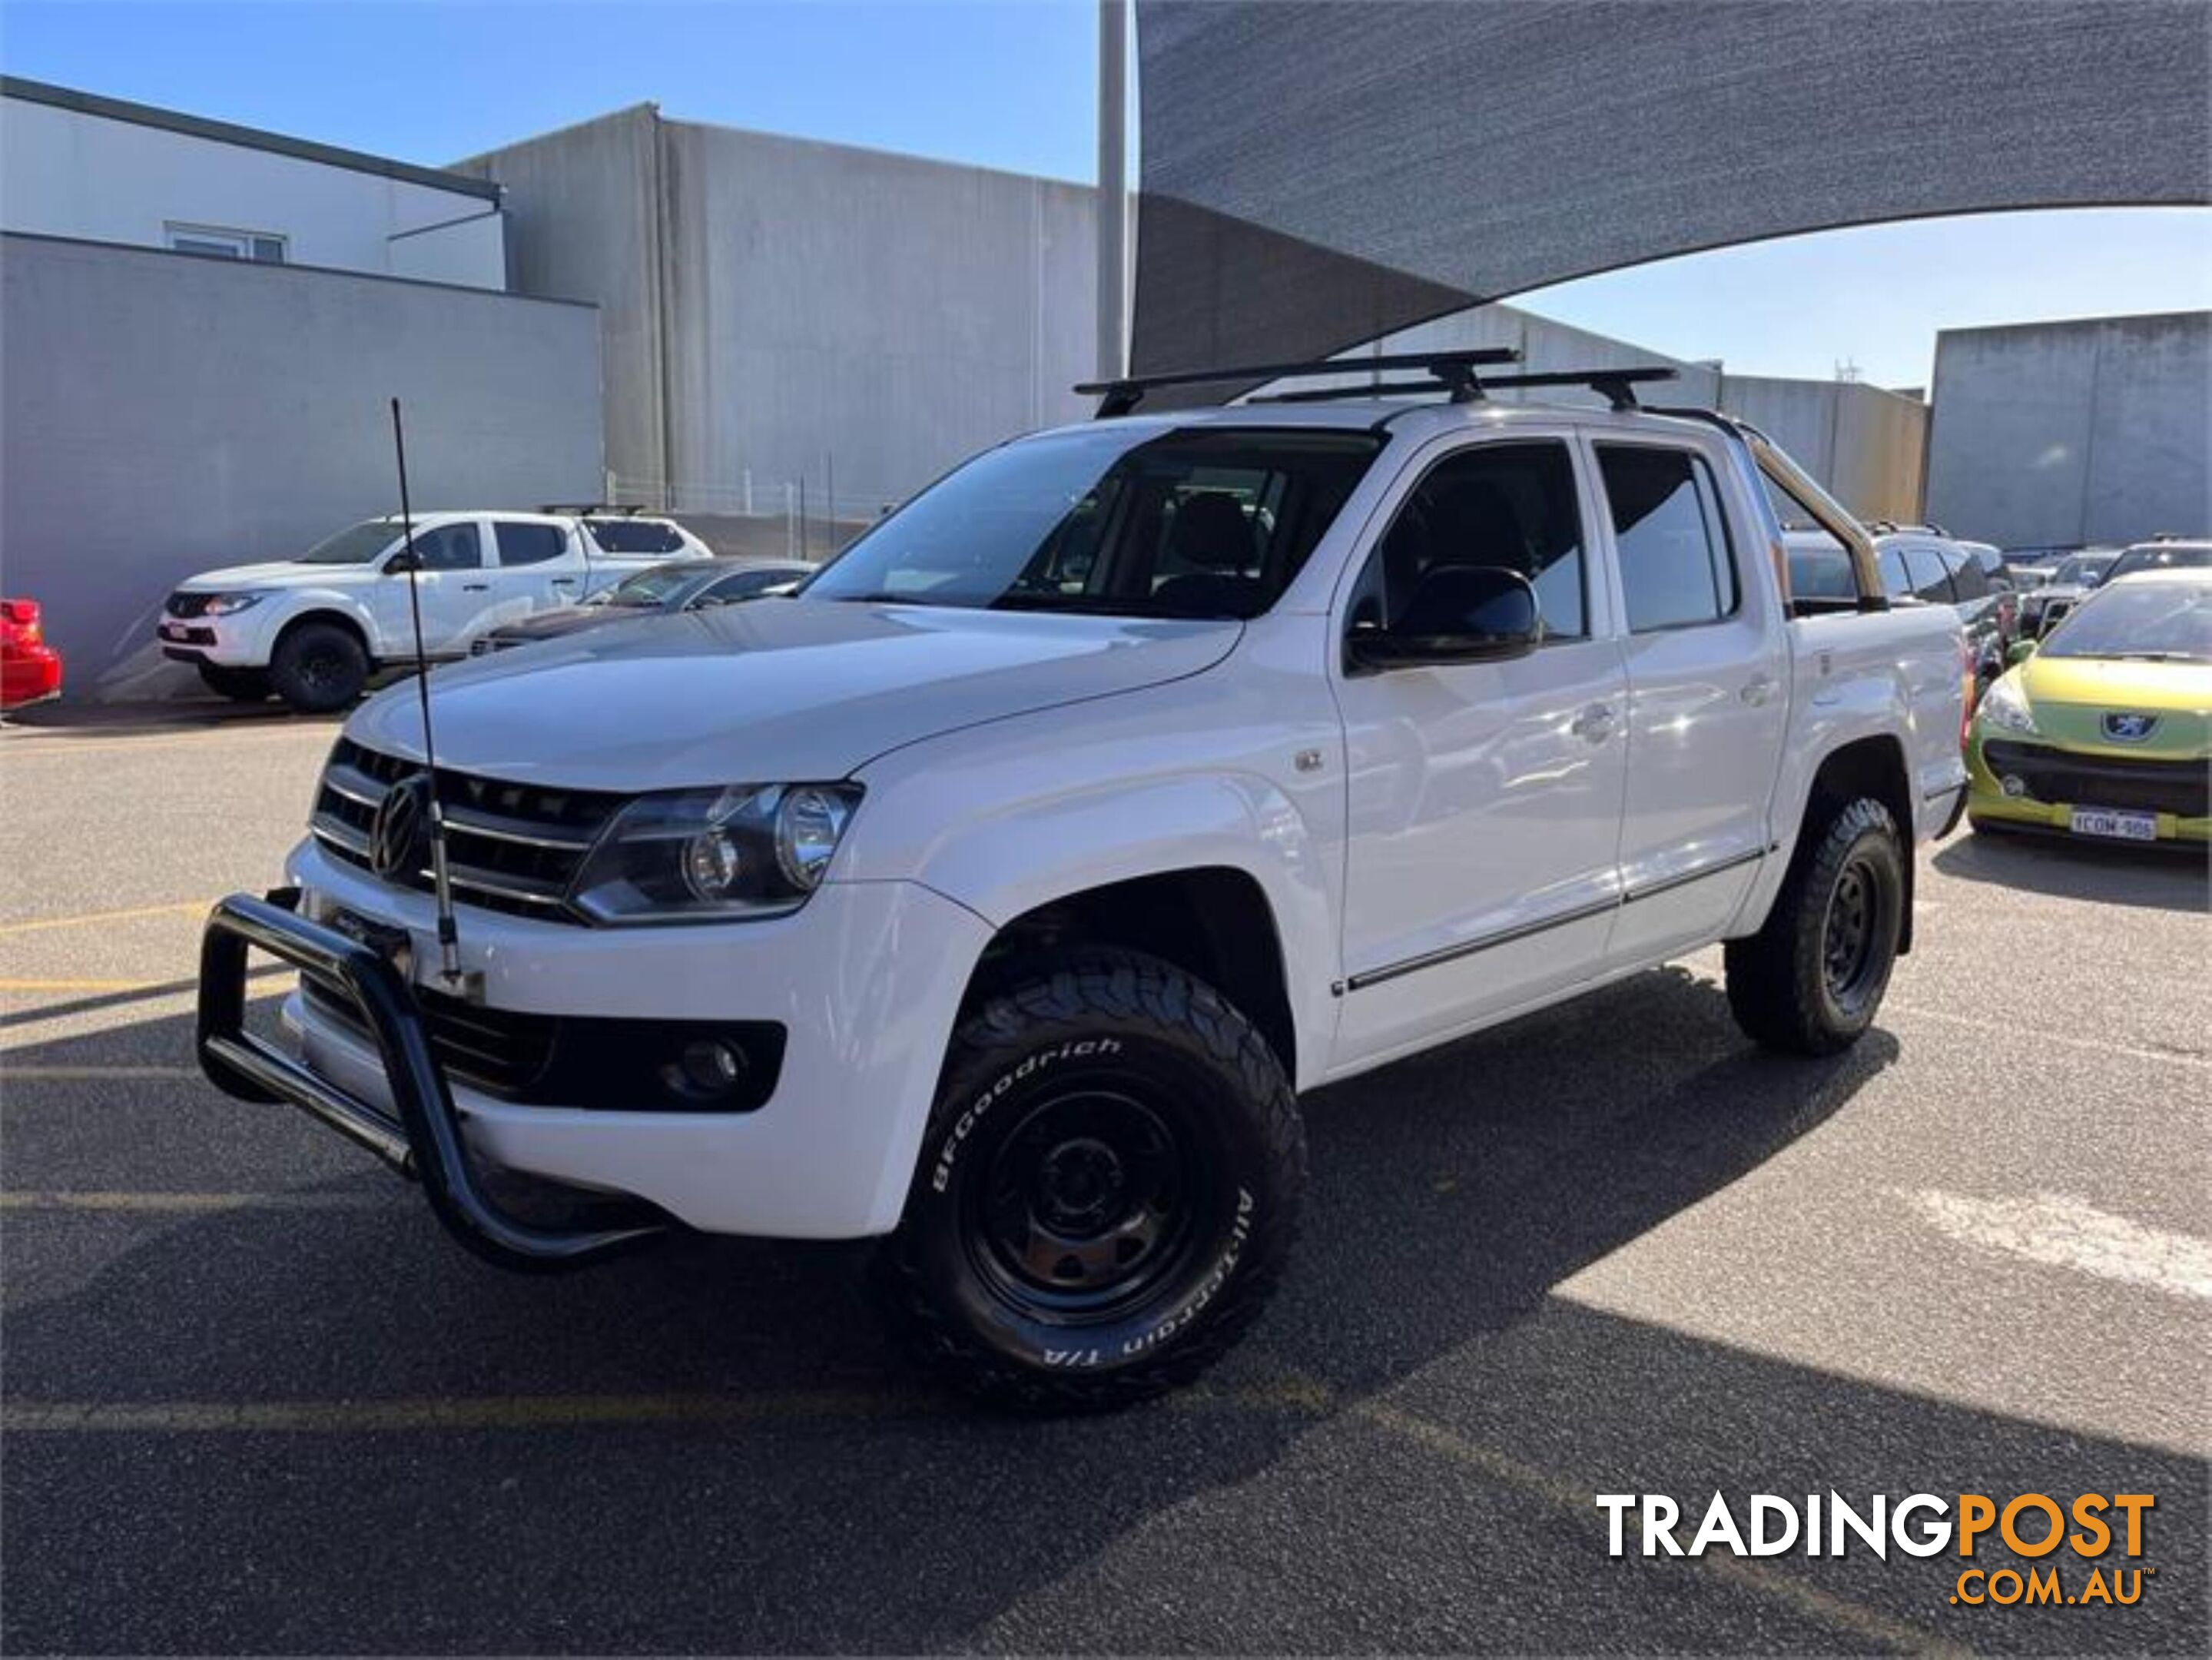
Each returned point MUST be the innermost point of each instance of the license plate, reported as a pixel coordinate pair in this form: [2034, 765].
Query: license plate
[2120, 826]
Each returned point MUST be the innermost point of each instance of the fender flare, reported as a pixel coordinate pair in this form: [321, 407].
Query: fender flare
[1008, 864]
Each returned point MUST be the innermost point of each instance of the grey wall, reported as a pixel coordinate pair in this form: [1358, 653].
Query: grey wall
[2051, 433]
[160, 415]
[1864, 444]
[775, 306]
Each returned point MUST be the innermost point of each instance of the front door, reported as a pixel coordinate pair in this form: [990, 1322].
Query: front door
[1708, 694]
[454, 585]
[1485, 799]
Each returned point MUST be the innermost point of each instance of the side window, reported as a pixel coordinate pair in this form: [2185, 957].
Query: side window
[1894, 582]
[1968, 579]
[634, 535]
[743, 586]
[450, 547]
[521, 544]
[1676, 567]
[1507, 504]
[1929, 580]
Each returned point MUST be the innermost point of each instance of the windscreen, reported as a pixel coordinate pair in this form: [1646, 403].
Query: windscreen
[354, 546]
[1191, 523]
[2153, 622]
[2184, 556]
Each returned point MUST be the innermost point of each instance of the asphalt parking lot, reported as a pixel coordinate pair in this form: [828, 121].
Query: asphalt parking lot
[254, 1401]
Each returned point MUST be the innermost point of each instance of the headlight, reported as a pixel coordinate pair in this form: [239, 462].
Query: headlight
[224, 604]
[751, 850]
[2004, 705]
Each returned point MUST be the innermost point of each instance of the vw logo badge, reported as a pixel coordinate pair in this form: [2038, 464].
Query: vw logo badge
[2130, 728]
[395, 836]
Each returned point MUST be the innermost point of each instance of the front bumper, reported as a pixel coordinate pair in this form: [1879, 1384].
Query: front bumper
[238, 641]
[1988, 803]
[866, 979]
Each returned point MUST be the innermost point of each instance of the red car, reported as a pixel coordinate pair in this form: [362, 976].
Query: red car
[30, 669]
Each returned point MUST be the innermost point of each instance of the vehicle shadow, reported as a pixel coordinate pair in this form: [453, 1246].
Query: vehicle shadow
[186, 713]
[837, 1501]
[2112, 874]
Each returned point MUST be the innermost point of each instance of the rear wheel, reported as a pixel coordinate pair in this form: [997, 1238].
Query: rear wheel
[1811, 980]
[242, 685]
[1107, 1193]
[318, 666]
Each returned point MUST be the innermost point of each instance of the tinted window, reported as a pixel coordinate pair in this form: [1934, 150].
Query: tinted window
[743, 586]
[1894, 583]
[530, 544]
[450, 547]
[1930, 581]
[635, 535]
[1197, 522]
[1968, 579]
[1821, 572]
[1676, 565]
[1510, 505]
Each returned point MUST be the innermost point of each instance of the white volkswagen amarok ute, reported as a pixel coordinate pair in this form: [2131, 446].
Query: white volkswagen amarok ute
[998, 893]
[315, 628]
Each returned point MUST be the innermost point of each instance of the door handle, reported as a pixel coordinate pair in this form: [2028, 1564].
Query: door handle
[564, 581]
[476, 588]
[1758, 690]
[1594, 724]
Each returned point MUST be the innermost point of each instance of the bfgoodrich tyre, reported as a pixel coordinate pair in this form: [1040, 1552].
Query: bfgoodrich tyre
[1811, 980]
[1107, 1193]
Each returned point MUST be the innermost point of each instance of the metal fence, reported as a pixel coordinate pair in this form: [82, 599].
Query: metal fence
[802, 518]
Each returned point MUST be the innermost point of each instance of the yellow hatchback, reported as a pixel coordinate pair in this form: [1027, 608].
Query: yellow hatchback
[2104, 730]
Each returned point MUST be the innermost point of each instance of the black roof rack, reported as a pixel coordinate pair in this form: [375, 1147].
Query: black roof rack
[1450, 371]
[1617, 386]
[590, 509]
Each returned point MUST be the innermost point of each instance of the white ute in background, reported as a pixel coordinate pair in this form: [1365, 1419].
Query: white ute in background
[998, 893]
[314, 629]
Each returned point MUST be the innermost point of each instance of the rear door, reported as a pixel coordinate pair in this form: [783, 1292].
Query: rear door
[1705, 655]
[537, 567]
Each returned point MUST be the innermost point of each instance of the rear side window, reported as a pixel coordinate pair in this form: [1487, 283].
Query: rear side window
[1930, 581]
[635, 535]
[1509, 505]
[450, 547]
[1676, 567]
[1821, 572]
[521, 544]
[1968, 579]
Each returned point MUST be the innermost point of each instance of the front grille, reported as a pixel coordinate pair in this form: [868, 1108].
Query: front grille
[188, 604]
[512, 847]
[566, 1061]
[2135, 783]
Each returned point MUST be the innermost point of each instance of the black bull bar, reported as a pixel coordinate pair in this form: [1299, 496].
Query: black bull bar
[424, 1143]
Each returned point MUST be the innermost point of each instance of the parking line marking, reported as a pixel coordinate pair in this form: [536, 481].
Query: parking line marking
[194, 906]
[14, 1074]
[2174, 1057]
[193, 1203]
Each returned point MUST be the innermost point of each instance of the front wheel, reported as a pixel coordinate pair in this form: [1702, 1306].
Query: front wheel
[1107, 1193]
[1811, 980]
[318, 667]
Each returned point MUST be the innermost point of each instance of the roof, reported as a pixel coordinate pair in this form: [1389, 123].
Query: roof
[225, 132]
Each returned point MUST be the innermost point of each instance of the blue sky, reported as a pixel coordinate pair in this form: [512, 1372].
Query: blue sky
[1012, 83]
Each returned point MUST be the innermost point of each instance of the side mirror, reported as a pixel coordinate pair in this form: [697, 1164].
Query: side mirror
[2019, 652]
[402, 562]
[1457, 614]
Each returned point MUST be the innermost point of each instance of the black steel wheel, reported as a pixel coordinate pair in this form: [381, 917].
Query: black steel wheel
[1107, 1192]
[1811, 980]
[318, 666]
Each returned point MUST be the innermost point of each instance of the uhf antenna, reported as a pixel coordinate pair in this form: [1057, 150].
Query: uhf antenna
[441, 882]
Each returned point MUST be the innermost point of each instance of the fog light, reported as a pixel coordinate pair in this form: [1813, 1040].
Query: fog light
[2012, 785]
[705, 1070]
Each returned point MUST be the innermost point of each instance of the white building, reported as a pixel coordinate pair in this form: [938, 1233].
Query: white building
[98, 169]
